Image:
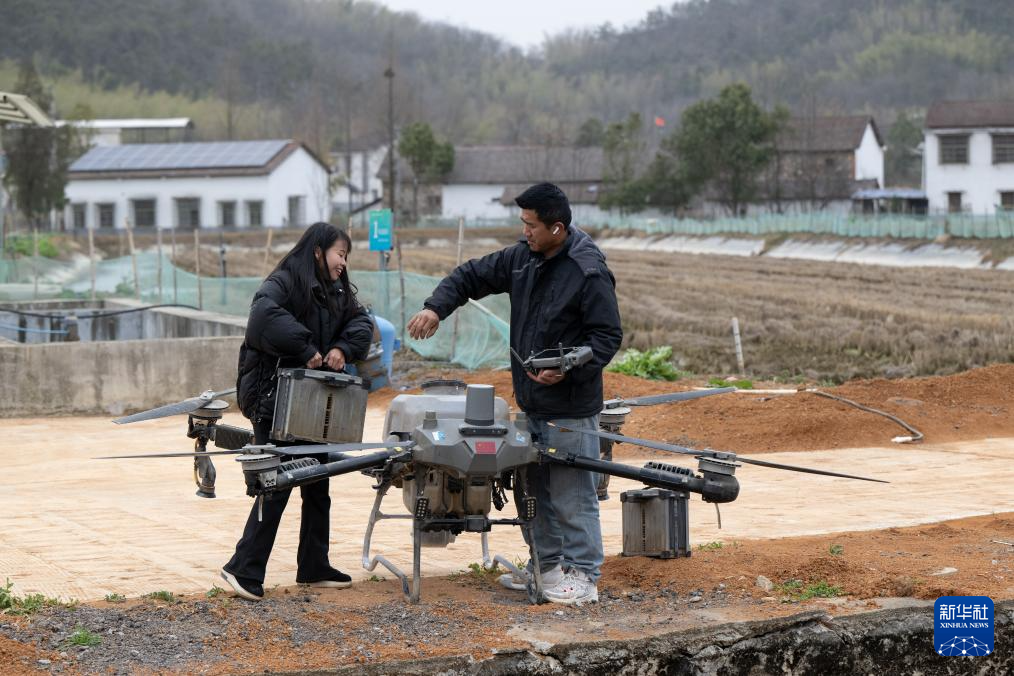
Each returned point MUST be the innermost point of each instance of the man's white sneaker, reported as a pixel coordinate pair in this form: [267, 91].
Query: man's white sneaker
[574, 589]
[513, 581]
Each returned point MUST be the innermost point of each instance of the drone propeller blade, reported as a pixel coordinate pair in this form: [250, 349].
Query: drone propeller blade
[189, 454]
[185, 406]
[807, 470]
[721, 455]
[657, 445]
[317, 449]
[652, 400]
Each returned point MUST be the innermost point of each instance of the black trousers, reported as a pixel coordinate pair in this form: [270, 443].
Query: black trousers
[253, 549]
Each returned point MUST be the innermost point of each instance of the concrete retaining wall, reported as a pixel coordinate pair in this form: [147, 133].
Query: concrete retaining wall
[112, 377]
[886, 643]
[76, 318]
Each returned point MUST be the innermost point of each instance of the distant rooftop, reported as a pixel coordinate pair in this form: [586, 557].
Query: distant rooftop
[132, 123]
[20, 109]
[825, 134]
[180, 159]
[517, 165]
[968, 114]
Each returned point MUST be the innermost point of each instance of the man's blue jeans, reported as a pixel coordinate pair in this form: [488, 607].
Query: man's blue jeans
[567, 529]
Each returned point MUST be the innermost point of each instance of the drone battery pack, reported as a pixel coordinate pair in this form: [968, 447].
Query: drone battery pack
[318, 406]
[655, 523]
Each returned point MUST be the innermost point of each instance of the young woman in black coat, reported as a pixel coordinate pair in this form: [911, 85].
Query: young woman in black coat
[304, 315]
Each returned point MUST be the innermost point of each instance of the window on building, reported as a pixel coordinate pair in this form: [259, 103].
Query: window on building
[144, 213]
[297, 211]
[954, 149]
[434, 202]
[227, 213]
[255, 213]
[1003, 148]
[954, 202]
[79, 215]
[1007, 200]
[188, 212]
[106, 215]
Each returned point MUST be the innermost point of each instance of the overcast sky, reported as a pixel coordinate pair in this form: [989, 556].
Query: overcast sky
[527, 22]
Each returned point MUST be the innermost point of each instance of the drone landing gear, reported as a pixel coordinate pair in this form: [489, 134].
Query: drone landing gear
[424, 523]
[370, 563]
[526, 513]
[201, 428]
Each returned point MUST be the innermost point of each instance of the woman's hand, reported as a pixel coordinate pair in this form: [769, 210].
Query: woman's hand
[315, 361]
[335, 359]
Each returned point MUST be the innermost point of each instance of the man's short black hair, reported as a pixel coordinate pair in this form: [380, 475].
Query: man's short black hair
[548, 202]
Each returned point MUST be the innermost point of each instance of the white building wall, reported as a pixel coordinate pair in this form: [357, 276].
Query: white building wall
[299, 174]
[980, 181]
[364, 167]
[869, 158]
[474, 201]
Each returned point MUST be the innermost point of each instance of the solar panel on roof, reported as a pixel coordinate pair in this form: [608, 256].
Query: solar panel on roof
[156, 156]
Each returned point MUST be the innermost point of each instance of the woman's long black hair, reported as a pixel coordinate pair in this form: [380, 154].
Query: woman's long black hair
[303, 266]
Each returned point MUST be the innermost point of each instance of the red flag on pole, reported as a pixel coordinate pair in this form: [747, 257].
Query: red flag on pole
[659, 121]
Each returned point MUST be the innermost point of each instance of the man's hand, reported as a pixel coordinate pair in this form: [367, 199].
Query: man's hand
[547, 376]
[423, 324]
[315, 361]
[335, 359]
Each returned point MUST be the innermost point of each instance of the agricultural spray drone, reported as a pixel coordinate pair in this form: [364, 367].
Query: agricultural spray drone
[454, 451]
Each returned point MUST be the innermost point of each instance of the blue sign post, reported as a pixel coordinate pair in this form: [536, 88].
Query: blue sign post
[380, 230]
[381, 236]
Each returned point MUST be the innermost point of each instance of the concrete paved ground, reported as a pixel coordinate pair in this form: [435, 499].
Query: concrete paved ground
[73, 527]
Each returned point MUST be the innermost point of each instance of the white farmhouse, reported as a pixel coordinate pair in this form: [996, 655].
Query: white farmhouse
[968, 157]
[486, 179]
[189, 185]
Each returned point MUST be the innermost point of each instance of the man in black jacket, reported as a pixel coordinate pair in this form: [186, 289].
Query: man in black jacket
[561, 293]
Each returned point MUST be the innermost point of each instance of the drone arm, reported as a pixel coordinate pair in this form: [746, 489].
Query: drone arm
[712, 487]
[230, 437]
[307, 475]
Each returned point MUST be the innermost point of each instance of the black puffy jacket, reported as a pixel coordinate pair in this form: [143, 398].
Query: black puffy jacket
[279, 334]
[569, 299]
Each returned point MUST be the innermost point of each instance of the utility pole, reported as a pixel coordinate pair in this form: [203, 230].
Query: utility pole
[389, 74]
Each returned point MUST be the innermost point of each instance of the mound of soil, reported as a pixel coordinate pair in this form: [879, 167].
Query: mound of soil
[970, 405]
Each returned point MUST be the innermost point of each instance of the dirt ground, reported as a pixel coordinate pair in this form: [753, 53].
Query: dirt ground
[969, 441]
[974, 404]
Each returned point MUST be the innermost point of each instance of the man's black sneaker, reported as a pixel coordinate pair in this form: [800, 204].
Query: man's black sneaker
[251, 590]
[336, 580]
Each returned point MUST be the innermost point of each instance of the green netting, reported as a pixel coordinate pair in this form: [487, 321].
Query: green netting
[481, 339]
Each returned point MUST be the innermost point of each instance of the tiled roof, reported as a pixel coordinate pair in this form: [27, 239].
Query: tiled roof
[517, 165]
[967, 114]
[825, 134]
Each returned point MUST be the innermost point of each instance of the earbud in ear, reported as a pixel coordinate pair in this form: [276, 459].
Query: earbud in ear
[556, 230]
